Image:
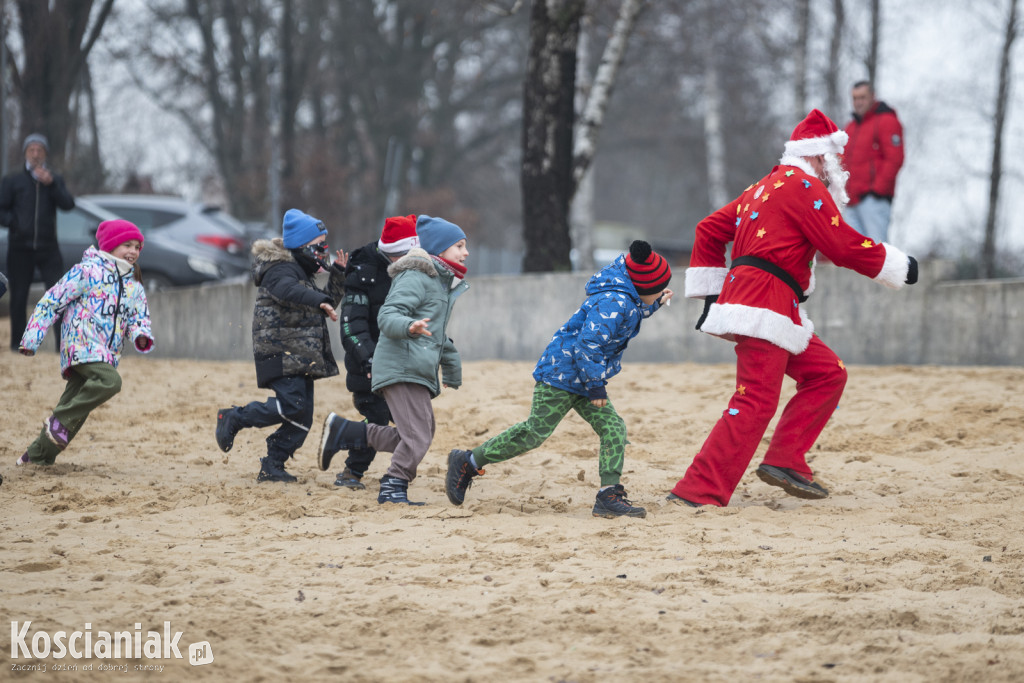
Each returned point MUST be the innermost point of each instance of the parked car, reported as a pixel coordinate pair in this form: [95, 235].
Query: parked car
[198, 242]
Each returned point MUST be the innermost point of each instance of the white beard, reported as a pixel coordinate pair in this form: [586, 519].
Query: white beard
[836, 177]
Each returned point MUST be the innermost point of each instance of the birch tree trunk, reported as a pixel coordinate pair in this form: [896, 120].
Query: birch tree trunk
[835, 106]
[803, 23]
[988, 251]
[714, 140]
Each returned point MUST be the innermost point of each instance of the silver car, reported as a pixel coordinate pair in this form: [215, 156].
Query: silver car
[196, 242]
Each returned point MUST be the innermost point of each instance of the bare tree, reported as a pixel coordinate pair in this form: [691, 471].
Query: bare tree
[872, 59]
[832, 70]
[1011, 30]
[802, 48]
[57, 37]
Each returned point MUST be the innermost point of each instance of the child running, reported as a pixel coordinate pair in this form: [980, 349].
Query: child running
[573, 373]
[413, 344]
[100, 302]
[290, 342]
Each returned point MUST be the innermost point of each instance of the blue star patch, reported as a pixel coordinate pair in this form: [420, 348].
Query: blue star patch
[807, 183]
[817, 204]
[753, 216]
[734, 411]
[737, 220]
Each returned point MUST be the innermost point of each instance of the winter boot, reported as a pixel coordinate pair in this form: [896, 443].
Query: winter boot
[394, 490]
[791, 481]
[339, 434]
[460, 475]
[228, 425]
[272, 470]
[350, 480]
[612, 502]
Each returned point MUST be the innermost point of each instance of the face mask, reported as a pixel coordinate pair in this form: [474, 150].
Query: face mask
[318, 252]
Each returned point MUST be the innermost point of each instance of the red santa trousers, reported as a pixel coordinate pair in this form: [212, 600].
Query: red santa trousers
[760, 367]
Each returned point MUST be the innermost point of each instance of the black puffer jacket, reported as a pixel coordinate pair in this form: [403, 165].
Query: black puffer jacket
[29, 209]
[366, 287]
[289, 330]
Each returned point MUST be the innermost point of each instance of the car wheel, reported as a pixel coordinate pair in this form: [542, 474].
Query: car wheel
[155, 282]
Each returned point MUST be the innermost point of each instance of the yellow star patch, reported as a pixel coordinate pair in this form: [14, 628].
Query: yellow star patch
[739, 209]
[749, 187]
[761, 232]
[835, 220]
[747, 207]
[842, 364]
[764, 197]
[778, 184]
[741, 390]
[867, 244]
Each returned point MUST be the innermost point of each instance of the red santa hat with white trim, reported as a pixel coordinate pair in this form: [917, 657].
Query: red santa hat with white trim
[815, 135]
[398, 235]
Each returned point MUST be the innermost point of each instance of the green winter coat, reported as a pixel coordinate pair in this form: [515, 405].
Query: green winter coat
[420, 288]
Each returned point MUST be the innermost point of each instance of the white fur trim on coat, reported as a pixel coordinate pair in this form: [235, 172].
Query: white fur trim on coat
[703, 281]
[750, 321]
[894, 271]
[798, 161]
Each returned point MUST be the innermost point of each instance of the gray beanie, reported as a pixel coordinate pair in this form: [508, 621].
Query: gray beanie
[36, 137]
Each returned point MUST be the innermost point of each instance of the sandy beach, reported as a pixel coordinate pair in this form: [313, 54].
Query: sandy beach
[912, 570]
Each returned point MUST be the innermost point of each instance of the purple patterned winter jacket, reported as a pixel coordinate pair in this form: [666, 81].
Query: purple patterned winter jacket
[99, 308]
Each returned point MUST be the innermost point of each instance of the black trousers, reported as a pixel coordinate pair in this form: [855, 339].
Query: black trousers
[21, 266]
[292, 408]
[375, 409]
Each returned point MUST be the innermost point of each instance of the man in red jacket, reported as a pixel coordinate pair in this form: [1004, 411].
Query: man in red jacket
[873, 157]
[776, 226]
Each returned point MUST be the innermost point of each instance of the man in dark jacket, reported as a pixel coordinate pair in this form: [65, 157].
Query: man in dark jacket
[366, 287]
[290, 342]
[873, 157]
[29, 199]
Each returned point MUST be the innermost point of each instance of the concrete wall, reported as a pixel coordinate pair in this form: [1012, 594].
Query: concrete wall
[512, 317]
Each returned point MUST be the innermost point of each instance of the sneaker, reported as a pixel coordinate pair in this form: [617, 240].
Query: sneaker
[394, 490]
[791, 482]
[23, 460]
[271, 470]
[339, 434]
[460, 475]
[228, 425]
[350, 480]
[57, 432]
[678, 500]
[612, 502]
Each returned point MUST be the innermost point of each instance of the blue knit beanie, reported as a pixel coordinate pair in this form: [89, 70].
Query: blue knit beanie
[437, 234]
[301, 228]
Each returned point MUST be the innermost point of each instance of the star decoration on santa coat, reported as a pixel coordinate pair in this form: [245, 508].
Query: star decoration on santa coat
[741, 390]
[731, 277]
[807, 183]
[738, 219]
[867, 244]
[764, 197]
[778, 184]
[842, 365]
[761, 232]
[747, 207]
[754, 216]
[817, 204]
[749, 187]
[734, 411]
[789, 173]
[835, 220]
[739, 209]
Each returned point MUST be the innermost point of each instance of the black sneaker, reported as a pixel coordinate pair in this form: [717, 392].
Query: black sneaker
[228, 425]
[350, 480]
[394, 490]
[339, 434]
[612, 502]
[679, 500]
[271, 470]
[460, 475]
[791, 482]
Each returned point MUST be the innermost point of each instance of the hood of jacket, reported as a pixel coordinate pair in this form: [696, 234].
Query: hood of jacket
[613, 277]
[267, 253]
[416, 259]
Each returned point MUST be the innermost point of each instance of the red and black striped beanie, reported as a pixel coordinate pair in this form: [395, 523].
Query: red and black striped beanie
[648, 270]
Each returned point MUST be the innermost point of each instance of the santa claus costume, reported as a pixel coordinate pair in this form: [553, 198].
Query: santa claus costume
[776, 226]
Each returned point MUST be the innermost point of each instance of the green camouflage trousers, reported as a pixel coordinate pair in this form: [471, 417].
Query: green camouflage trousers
[549, 406]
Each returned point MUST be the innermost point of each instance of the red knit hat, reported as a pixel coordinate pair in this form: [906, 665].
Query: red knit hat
[112, 234]
[648, 270]
[399, 235]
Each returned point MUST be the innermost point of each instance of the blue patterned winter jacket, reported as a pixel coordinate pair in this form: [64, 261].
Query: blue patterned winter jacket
[586, 351]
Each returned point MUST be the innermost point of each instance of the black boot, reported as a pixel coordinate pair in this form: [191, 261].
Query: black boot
[394, 490]
[339, 434]
[272, 470]
[228, 425]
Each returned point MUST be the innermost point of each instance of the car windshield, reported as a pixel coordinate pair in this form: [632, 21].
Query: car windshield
[224, 220]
